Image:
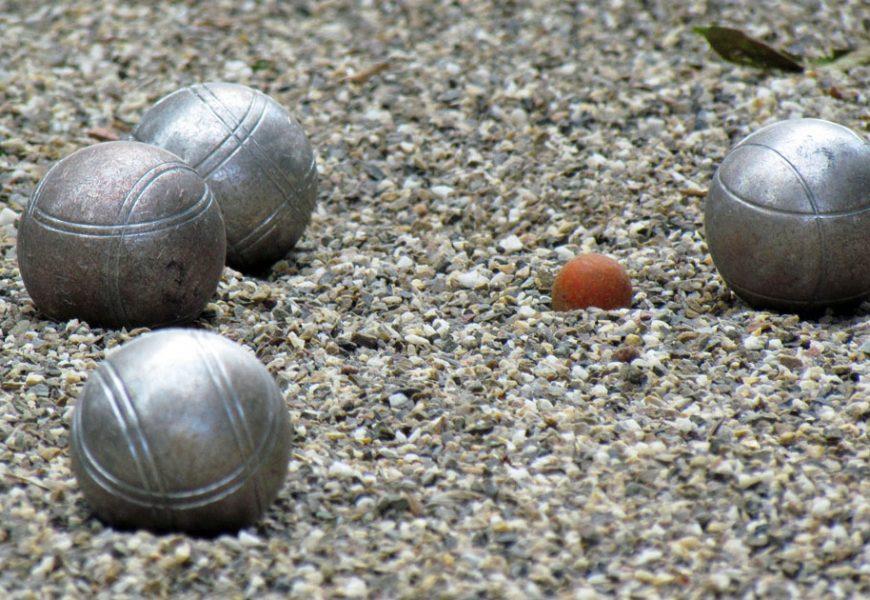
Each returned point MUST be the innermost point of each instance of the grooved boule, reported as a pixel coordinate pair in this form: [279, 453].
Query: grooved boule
[253, 154]
[121, 234]
[788, 216]
[180, 430]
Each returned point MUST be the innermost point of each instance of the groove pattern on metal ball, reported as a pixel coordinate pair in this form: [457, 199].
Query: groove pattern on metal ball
[256, 160]
[121, 234]
[180, 430]
[788, 216]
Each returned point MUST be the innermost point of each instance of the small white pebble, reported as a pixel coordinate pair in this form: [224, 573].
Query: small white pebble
[564, 253]
[245, 539]
[342, 470]
[416, 340]
[525, 312]
[34, 378]
[753, 342]
[380, 116]
[511, 244]
[46, 566]
[579, 373]
[600, 391]
[442, 191]
[355, 587]
[7, 217]
[684, 425]
[471, 279]
[647, 555]
[237, 69]
[820, 507]
[397, 399]
[404, 263]
[719, 581]
[596, 160]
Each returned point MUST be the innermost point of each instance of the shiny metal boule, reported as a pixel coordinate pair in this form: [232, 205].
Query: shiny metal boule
[788, 216]
[121, 234]
[256, 160]
[180, 430]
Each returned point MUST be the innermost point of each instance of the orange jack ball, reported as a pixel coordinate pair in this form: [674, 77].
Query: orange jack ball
[591, 280]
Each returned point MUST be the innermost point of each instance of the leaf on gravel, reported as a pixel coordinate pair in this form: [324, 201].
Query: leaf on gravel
[262, 64]
[835, 55]
[841, 60]
[735, 46]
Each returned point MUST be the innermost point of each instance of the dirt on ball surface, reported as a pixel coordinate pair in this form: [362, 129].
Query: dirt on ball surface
[454, 437]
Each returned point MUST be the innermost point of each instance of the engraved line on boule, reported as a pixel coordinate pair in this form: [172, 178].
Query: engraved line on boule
[179, 219]
[270, 169]
[100, 475]
[233, 409]
[268, 225]
[814, 120]
[230, 135]
[88, 462]
[261, 157]
[113, 251]
[125, 402]
[240, 141]
[811, 197]
[183, 500]
[783, 212]
[138, 451]
[264, 229]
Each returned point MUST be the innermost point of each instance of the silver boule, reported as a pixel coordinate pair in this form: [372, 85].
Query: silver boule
[121, 234]
[180, 430]
[788, 216]
[256, 160]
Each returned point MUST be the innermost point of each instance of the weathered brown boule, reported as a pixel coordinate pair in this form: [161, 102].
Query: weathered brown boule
[121, 234]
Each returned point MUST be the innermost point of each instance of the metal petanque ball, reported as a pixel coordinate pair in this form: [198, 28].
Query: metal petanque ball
[180, 430]
[121, 234]
[256, 160]
[788, 216]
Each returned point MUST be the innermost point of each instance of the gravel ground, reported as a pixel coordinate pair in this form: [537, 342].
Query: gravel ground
[453, 437]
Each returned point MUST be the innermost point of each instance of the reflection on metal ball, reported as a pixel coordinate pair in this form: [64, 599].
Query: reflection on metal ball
[255, 158]
[788, 216]
[121, 234]
[180, 430]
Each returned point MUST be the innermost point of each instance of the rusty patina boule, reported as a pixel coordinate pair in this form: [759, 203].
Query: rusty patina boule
[788, 216]
[256, 160]
[180, 430]
[121, 234]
